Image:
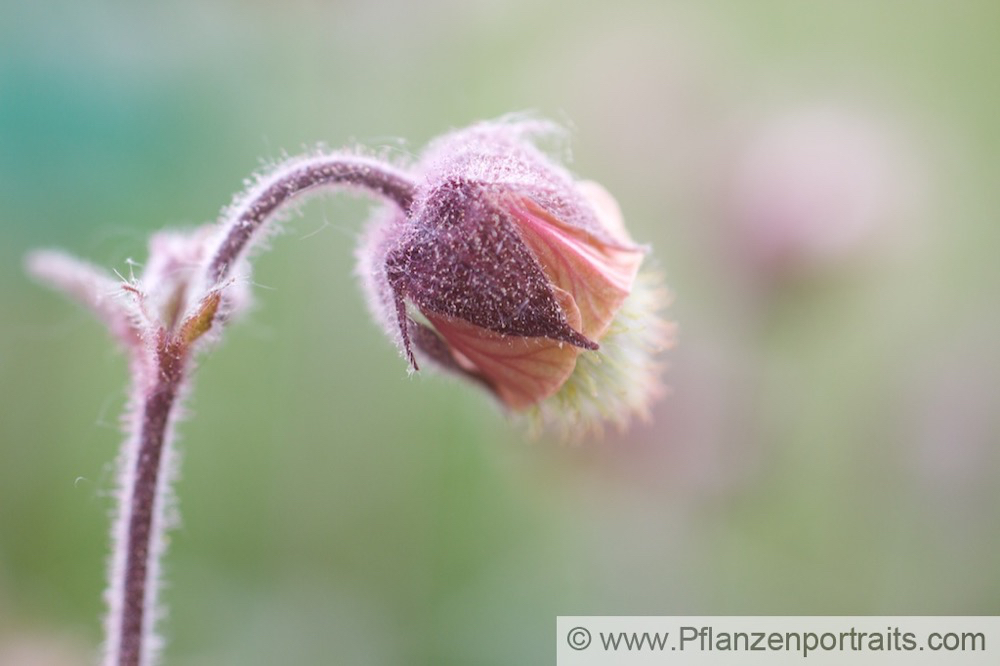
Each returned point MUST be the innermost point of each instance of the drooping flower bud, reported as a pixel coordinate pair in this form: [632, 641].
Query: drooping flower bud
[508, 271]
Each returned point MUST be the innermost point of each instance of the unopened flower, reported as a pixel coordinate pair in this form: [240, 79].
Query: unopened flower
[511, 273]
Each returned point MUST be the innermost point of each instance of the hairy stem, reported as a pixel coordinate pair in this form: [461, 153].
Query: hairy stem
[138, 534]
[134, 591]
[246, 218]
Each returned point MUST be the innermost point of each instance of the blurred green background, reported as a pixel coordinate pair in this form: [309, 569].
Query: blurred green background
[830, 443]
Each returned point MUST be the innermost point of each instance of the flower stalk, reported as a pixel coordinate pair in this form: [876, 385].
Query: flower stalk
[298, 177]
[132, 601]
[161, 345]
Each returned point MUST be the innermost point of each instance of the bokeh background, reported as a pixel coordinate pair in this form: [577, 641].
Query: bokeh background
[819, 182]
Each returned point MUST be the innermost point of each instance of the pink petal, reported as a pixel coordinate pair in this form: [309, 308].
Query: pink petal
[522, 371]
[597, 275]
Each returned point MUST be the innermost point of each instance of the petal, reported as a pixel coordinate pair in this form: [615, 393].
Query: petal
[431, 345]
[609, 215]
[521, 371]
[597, 275]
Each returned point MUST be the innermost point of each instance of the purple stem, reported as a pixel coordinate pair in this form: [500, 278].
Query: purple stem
[249, 215]
[130, 630]
[138, 588]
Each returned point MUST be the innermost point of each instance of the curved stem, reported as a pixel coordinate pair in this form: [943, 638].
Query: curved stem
[137, 536]
[248, 215]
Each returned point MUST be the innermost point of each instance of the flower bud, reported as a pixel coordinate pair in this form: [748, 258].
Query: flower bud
[507, 271]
